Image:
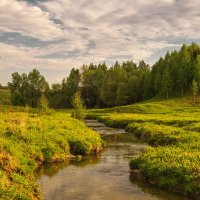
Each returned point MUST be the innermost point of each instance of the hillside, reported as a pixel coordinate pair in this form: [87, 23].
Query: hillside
[172, 128]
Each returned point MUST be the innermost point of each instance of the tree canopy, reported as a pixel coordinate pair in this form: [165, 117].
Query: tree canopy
[121, 84]
[27, 89]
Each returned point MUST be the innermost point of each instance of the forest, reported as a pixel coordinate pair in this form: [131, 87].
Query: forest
[174, 75]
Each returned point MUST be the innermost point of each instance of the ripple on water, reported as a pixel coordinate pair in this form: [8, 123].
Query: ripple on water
[104, 177]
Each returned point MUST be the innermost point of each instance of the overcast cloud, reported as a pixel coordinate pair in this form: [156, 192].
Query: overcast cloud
[56, 35]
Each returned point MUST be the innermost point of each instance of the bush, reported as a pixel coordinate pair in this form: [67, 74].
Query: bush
[44, 105]
[78, 107]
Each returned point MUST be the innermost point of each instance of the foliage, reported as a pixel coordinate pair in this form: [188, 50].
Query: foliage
[120, 84]
[44, 105]
[27, 89]
[176, 71]
[78, 107]
[101, 86]
[91, 80]
[194, 88]
[126, 83]
[28, 139]
[70, 86]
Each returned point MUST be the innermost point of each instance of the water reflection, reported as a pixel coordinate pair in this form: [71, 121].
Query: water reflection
[100, 177]
[51, 169]
[155, 192]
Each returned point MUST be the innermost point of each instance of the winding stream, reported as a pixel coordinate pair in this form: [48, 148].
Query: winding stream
[103, 177]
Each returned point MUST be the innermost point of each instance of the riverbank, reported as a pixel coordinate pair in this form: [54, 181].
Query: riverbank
[172, 128]
[107, 175]
[28, 139]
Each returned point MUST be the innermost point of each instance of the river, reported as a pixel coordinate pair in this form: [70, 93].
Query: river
[103, 177]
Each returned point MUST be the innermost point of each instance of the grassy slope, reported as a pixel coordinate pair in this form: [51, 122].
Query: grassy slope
[4, 97]
[172, 127]
[27, 139]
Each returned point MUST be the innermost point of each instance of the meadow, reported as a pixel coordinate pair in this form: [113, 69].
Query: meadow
[172, 129]
[28, 139]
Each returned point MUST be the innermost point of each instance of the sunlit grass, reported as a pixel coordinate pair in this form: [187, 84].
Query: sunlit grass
[173, 128]
[27, 139]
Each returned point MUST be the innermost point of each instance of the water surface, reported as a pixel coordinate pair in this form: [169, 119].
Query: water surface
[103, 177]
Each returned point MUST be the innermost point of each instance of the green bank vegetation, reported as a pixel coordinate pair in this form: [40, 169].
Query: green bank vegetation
[29, 138]
[172, 129]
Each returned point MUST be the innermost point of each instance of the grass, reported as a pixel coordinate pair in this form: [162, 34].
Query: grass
[28, 139]
[172, 128]
[4, 97]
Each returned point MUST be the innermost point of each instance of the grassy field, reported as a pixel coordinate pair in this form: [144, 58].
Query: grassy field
[4, 97]
[172, 128]
[28, 139]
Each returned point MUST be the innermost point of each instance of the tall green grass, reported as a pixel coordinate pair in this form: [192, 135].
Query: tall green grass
[28, 139]
[172, 127]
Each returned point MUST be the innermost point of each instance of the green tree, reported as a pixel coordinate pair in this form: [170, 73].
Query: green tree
[114, 76]
[156, 75]
[91, 82]
[122, 97]
[133, 89]
[18, 89]
[70, 86]
[43, 105]
[194, 88]
[78, 107]
[166, 83]
[88, 87]
[180, 80]
[144, 80]
[185, 60]
[27, 89]
[56, 96]
[37, 85]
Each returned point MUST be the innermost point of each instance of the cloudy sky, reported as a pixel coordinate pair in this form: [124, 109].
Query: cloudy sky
[56, 35]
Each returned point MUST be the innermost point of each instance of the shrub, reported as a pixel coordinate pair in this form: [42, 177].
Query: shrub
[78, 107]
[44, 105]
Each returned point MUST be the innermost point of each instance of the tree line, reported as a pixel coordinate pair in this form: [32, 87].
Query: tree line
[101, 86]
[175, 74]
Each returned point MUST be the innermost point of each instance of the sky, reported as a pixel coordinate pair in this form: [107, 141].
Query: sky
[56, 35]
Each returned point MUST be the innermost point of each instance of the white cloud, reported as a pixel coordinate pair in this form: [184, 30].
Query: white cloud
[98, 30]
[28, 20]
[126, 27]
[24, 57]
